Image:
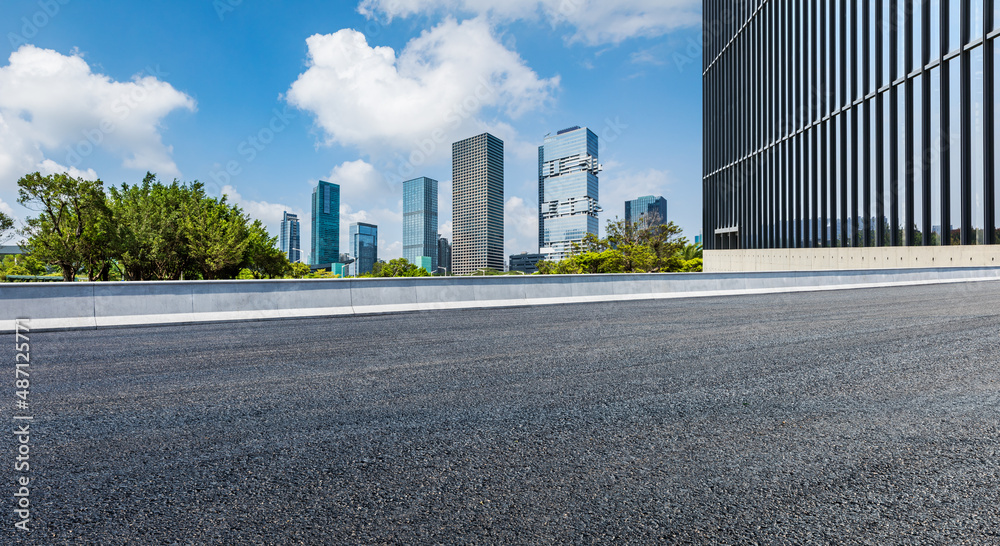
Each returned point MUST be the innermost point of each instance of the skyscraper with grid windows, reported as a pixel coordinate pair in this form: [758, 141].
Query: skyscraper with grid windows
[477, 204]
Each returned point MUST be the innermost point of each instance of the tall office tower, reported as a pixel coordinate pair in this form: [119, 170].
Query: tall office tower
[444, 254]
[853, 126]
[364, 244]
[567, 191]
[289, 241]
[477, 204]
[420, 220]
[325, 223]
[646, 206]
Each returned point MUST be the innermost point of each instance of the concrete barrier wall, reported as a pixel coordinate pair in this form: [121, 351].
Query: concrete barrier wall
[91, 305]
[826, 259]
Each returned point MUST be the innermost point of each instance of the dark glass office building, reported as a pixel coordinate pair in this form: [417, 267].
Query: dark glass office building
[646, 206]
[364, 244]
[325, 223]
[289, 240]
[420, 221]
[850, 123]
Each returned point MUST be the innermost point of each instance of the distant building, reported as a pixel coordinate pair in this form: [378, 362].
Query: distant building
[364, 244]
[420, 219]
[325, 223]
[526, 263]
[11, 250]
[290, 241]
[644, 206]
[697, 239]
[567, 190]
[477, 204]
[337, 268]
[444, 254]
[425, 262]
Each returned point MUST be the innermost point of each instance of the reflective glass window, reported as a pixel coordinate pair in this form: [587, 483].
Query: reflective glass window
[977, 194]
[915, 215]
[937, 230]
[918, 33]
[955, 150]
[976, 22]
[954, 24]
[935, 36]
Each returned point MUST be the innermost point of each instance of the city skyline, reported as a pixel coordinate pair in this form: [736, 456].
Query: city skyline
[278, 103]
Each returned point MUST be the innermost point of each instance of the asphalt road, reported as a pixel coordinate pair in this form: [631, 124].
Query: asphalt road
[868, 416]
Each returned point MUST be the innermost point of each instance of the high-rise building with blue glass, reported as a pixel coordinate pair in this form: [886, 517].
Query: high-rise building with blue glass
[477, 204]
[325, 223]
[646, 208]
[420, 220]
[364, 245]
[567, 190]
[290, 241]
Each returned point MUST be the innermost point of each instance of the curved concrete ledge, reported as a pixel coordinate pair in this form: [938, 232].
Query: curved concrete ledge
[94, 305]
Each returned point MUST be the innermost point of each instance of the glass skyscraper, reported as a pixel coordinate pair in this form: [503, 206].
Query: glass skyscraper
[420, 220]
[648, 205]
[477, 204]
[851, 124]
[325, 223]
[289, 240]
[364, 244]
[567, 190]
[444, 254]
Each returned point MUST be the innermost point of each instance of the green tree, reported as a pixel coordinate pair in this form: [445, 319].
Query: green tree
[400, 267]
[262, 257]
[150, 219]
[298, 270]
[6, 227]
[73, 229]
[692, 251]
[25, 264]
[644, 246]
[217, 235]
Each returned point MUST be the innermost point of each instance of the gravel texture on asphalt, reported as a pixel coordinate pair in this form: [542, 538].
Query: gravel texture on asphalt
[866, 416]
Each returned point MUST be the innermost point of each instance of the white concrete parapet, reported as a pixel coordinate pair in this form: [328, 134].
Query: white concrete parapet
[91, 305]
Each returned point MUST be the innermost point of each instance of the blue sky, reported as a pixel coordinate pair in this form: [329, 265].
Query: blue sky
[259, 100]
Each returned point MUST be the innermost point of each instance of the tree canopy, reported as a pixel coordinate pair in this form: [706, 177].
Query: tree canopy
[400, 267]
[6, 227]
[147, 231]
[644, 246]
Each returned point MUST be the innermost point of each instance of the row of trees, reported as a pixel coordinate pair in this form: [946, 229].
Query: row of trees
[148, 231]
[644, 246]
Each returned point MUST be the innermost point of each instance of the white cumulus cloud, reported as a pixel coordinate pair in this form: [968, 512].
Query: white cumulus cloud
[55, 112]
[520, 226]
[593, 22]
[437, 90]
